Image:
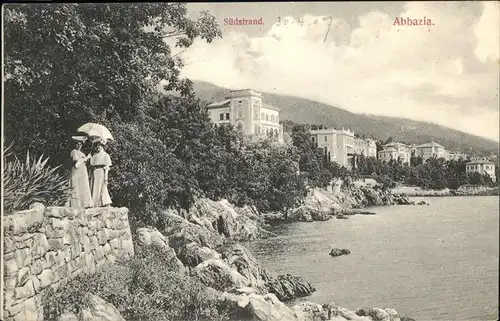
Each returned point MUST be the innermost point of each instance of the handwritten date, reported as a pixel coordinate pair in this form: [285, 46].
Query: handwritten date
[301, 22]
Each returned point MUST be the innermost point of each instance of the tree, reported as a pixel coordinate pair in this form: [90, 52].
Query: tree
[67, 64]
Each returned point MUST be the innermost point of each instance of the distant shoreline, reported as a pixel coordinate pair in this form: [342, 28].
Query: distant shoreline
[409, 191]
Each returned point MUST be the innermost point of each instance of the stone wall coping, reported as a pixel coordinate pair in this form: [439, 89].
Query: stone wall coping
[21, 221]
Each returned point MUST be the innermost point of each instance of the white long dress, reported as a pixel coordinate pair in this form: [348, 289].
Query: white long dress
[79, 181]
[100, 164]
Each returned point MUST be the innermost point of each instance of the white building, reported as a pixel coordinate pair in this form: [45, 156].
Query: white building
[395, 151]
[482, 167]
[339, 143]
[430, 150]
[387, 154]
[246, 112]
[365, 147]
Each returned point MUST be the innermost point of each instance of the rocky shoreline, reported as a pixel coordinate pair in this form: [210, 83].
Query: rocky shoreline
[203, 244]
[462, 191]
[322, 204]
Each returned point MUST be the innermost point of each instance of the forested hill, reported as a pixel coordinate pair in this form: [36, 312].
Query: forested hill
[299, 110]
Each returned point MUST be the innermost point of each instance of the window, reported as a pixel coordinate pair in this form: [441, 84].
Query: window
[240, 112]
[275, 132]
[221, 116]
[267, 117]
[326, 138]
[262, 116]
[227, 116]
[272, 118]
[240, 101]
[240, 127]
[257, 129]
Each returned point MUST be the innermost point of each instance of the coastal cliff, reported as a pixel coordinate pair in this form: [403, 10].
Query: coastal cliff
[324, 204]
[466, 190]
[202, 244]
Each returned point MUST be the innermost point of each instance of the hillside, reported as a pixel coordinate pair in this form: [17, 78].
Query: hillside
[300, 110]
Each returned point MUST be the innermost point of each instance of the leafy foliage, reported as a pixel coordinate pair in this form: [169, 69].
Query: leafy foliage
[314, 163]
[68, 64]
[145, 287]
[268, 176]
[32, 180]
[435, 173]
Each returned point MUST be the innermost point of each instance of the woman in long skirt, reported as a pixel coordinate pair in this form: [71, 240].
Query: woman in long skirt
[79, 181]
[100, 163]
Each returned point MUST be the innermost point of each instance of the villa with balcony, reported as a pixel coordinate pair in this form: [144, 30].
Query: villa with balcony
[245, 110]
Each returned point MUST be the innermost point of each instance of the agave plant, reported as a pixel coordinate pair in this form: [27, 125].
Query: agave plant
[32, 180]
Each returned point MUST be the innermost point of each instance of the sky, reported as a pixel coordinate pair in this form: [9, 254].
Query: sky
[354, 57]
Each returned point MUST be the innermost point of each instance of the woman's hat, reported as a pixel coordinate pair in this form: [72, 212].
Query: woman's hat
[81, 139]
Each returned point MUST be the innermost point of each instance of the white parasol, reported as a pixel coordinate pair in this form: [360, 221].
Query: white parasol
[96, 130]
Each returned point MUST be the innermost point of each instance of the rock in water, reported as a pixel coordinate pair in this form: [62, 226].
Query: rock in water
[287, 287]
[339, 252]
[377, 314]
[306, 213]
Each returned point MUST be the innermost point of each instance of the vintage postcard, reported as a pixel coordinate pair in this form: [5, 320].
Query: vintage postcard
[265, 161]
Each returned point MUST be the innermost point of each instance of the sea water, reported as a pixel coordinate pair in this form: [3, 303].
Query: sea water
[436, 262]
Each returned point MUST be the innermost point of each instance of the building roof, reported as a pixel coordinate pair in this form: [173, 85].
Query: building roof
[431, 144]
[390, 149]
[394, 144]
[332, 131]
[480, 162]
[344, 131]
[226, 103]
[243, 93]
[270, 107]
[322, 131]
[219, 104]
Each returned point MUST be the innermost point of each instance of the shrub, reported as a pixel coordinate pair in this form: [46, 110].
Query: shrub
[146, 287]
[32, 181]
[72, 296]
[386, 182]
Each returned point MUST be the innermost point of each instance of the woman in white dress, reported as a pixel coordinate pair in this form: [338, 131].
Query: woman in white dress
[79, 181]
[100, 163]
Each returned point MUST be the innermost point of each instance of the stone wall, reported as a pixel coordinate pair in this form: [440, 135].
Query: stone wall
[44, 246]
